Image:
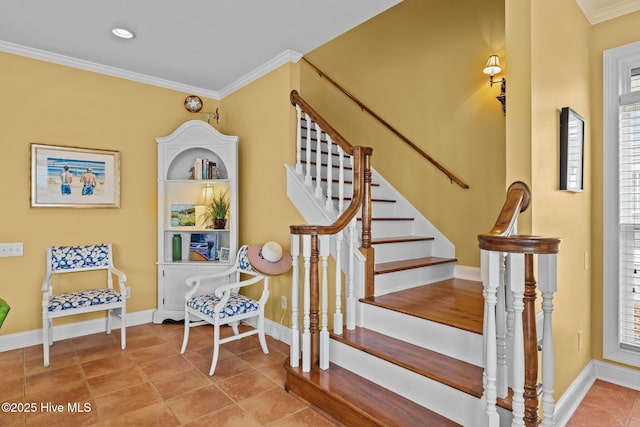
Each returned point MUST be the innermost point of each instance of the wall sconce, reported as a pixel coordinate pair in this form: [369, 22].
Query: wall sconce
[493, 67]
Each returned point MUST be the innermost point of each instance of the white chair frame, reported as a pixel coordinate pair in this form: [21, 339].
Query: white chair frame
[224, 293]
[71, 259]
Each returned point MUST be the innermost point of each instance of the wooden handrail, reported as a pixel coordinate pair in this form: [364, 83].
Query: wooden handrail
[517, 201]
[386, 124]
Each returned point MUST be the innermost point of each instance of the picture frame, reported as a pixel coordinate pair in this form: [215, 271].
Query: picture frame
[224, 254]
[91, 177]
[203, 247]
[571, 150]
[183, 215]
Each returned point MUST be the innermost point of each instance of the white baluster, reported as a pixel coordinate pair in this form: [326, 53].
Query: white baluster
[490, 267]
[547, 283]
[501, 332]
[510, 322]
[337, 316]
[306, 319]
[307, 176]
[351, 297]
[299, 142]
[329, 204]
[294, 350]
[341, 180]
[515, 280]
[325, 246]
[319, 161]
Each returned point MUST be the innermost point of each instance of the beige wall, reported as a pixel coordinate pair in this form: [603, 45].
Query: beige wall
[560, 36]
[419, 66]
[606, 35]
[264, 119]
[52, 104]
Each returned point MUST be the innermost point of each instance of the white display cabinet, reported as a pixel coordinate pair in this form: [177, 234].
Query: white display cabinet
[187, 178]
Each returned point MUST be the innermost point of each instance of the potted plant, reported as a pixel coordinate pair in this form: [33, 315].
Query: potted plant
[218, 209]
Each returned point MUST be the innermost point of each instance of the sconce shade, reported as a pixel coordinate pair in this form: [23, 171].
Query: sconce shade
[493, 66]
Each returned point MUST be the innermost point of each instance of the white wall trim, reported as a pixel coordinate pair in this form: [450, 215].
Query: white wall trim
[69, 330]
[467, 273]
[272, 64]
[597, 14]
[572, 397]
[616, 61]
[286, 56]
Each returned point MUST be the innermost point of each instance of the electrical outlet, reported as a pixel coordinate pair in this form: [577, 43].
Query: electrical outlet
[10, 249]
[128, 292]
[284, 303]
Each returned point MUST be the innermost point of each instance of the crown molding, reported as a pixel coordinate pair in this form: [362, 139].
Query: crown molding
[103, 69]
[281, 59]
[596, 14]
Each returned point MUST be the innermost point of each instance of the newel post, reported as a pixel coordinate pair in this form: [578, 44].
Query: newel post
[367, 249]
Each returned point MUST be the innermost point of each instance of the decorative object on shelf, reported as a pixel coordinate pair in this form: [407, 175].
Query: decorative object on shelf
[493, 67]
[183, 215]
[74, 177]
[204, 169]
[176, 247]
[4, 310]
[224, 254]
[193, 103]
[217, 207]
[571, 150]
[269, 258]
[203, 247]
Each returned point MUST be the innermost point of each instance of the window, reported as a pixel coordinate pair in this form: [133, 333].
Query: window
[622, 204]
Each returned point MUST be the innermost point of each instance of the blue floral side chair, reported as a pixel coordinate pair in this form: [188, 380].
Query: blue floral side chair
[225, 306]
[73, 259]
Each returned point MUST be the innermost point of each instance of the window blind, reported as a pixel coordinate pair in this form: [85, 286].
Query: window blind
[629, 225]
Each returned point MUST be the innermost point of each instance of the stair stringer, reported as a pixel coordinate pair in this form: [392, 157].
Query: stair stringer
[441, 246]
[453, 404]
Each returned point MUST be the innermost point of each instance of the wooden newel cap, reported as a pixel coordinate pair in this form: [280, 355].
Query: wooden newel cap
[519, 244]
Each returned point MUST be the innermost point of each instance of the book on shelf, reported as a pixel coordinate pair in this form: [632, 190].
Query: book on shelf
[204, 169]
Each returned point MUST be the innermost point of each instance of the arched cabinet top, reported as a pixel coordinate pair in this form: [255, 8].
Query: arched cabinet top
[193, 140]
[196, 132]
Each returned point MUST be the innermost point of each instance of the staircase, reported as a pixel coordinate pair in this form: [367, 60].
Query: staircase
[412, 350]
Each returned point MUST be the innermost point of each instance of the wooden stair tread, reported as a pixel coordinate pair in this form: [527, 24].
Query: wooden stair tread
[325, 165]
[372, 199]
[399, 239]
[313, 178]
[389, 218]
[353, 400]
[454, 302]
[455, 373]
[407, 264]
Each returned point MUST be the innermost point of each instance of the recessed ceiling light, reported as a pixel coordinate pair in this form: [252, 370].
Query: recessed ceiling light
[123, 33]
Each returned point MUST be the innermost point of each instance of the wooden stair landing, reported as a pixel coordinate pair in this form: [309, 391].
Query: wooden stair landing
[454, 302]
[356, 401]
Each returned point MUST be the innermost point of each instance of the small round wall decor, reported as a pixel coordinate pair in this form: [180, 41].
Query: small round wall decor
[193, 103]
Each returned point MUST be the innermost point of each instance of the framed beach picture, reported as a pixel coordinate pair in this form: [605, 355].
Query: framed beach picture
[203, 247]
[74, 177]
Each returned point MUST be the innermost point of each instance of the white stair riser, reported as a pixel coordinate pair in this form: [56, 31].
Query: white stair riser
[389, 228]
[406, 279]
[388, 252]
[447, 340]
[384, 209]
[446, 401]
[348, 190]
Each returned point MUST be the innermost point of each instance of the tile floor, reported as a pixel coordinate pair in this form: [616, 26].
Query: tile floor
[608, 405]
[151, 384]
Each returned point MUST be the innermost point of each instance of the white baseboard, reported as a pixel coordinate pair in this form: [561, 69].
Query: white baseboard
[69, 330]
[467, 273]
